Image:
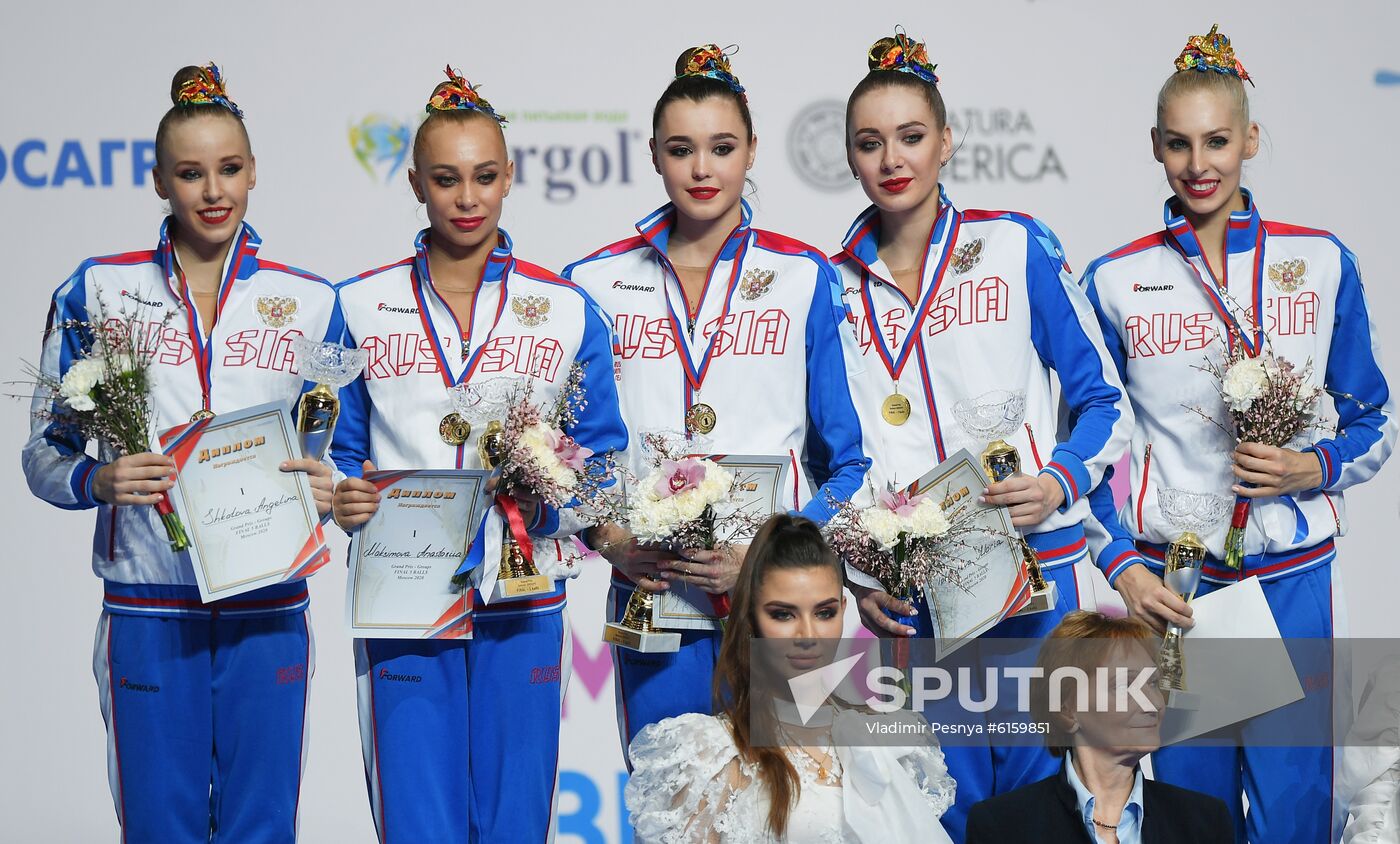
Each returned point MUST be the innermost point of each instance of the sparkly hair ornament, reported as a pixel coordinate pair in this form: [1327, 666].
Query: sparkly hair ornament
[905, 55]
[459, 95]
[712, 62]
[1211, 51]
[207, 88]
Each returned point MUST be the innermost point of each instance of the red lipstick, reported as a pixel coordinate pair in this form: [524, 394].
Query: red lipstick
[896, 185]
[214, 216]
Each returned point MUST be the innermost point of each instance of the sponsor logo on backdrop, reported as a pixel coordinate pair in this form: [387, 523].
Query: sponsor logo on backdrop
[558, 153]
[999, 145]
[816, 146]
[381, 145]
[992, 145]
[71, 162]
[1387, 77]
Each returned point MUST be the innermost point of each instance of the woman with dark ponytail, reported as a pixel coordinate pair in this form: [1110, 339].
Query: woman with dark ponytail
[729, 333]
[758, 771]
[205, 704]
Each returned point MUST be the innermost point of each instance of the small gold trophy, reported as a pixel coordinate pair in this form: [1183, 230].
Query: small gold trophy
[637, 631]
[481, 407]
[1188, 512]
[331, 366]
[993, 416]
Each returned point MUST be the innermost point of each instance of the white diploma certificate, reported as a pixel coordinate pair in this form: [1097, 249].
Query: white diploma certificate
[402, 560]
[765, 487]
[989, 582]
[250, 524]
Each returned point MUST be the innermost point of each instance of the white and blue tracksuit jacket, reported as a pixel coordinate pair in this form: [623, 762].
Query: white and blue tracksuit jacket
[998, 311]
[765, 352]
[526, 323]
[1163, 317]
[248, 360]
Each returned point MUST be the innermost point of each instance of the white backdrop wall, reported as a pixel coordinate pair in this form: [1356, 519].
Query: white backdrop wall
[1051, 100]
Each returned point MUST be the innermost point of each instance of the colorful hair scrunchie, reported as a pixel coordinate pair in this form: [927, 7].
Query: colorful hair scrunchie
[207, 89]
[1211, 51]
[907, 56]
[459, 95]
[711, 62]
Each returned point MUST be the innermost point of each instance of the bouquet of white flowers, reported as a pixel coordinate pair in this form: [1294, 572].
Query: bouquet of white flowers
[106, 395]
[903, 540]
[1269, 401]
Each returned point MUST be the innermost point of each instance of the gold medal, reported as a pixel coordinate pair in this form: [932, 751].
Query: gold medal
[700, 418]
[202, 413]
[454, 430]
[896, 409]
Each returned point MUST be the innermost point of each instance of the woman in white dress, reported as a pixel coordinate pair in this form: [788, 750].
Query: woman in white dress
[757, 771]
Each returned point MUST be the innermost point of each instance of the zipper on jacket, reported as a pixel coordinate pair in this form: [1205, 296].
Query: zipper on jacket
[1142, 492]
[1336, 520]
[112, 538]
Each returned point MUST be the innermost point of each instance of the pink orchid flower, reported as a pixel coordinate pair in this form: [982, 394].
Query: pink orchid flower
[900, 503]
[569, 452]
[679, 476]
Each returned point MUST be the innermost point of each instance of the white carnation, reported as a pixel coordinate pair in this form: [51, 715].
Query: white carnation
[1245, 381]
[928, 520]
[883, 526]
[78, 383]
[536, 441]
[654, 519]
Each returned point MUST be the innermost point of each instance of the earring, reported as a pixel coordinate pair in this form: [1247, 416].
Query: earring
[856, 176]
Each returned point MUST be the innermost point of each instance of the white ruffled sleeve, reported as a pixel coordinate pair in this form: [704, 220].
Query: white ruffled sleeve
[685, 783]
[925, 763]
[1370, 780]
[892, 793]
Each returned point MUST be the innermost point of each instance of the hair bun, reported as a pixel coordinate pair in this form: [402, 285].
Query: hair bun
[201, 86]
[1211, 51]
[709, 61]
[902, 53]
[457, 94]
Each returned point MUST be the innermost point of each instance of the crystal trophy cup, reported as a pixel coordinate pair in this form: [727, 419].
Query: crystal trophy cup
[992, 417]
[1190, 513]
[331, 366]
[637, 630]
[481, 407]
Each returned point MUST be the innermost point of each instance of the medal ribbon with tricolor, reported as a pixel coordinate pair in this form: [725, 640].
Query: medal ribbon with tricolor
[1215, 290]
[695, 375]
[894, 365]
[202, 344]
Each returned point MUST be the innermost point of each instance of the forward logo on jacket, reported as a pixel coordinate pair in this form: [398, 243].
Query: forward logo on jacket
[530, 311]
[967, 256]
[1289, 275]
[277, 311]
[756, 283]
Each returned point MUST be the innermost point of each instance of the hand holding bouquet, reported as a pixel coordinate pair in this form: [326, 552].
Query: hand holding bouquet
[1268, 401]
[531, 456]
[106, 395]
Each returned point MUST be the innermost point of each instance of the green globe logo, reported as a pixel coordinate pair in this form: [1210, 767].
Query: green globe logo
[381, 145]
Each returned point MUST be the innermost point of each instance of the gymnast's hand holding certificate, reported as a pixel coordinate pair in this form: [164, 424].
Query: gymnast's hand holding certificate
[250, 524]
[402, 560]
